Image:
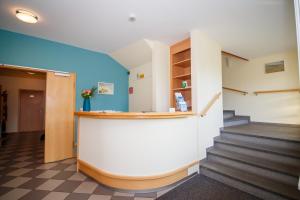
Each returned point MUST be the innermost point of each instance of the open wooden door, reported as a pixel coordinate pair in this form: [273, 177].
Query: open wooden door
[59, 125]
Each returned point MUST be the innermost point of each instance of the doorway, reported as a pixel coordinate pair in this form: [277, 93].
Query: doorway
[44, 106]
[31, 111]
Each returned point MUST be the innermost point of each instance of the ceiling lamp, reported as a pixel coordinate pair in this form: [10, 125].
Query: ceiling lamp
[26, 16]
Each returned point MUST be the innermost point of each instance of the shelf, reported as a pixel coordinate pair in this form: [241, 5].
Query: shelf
[183, 63]
[180, 89]
[183, 76]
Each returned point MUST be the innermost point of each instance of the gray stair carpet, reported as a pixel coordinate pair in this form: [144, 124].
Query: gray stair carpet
[230, 119]
[261, 159]
[203, 188]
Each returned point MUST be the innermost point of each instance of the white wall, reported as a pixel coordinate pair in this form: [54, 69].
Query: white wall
[141, 99]
[13, 85]
[161, 76]
[250, 76]
[150, 58]
[297, 16]
[206, 82]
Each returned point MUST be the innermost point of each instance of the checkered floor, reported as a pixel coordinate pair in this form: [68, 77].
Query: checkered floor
[24, 176]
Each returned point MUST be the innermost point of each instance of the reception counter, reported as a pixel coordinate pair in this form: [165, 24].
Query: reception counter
[137, 151]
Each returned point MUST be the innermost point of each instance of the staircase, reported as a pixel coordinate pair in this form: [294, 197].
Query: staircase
[230, 119]
[259, 158]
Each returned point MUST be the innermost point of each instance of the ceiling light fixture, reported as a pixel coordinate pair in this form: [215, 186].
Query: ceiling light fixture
[132, 17]
[26, 16]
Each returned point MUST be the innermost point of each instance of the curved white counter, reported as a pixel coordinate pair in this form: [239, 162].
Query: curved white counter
[137, 151]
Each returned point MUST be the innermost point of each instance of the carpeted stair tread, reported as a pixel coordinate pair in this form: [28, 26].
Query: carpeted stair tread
[265, 148]
[288, 133]
[258, 162]
[252, 179]
[237, 118]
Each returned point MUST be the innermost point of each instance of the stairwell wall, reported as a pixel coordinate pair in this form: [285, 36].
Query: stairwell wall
[206, 83]
[250, 76]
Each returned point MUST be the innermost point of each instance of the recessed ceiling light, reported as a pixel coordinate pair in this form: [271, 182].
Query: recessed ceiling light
[26, 16]
[31, 73]
[132, 17]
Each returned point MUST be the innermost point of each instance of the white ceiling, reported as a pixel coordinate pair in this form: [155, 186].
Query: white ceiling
[134, 55]
[249, 28]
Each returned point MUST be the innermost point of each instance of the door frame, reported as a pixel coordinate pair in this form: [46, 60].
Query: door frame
[32, 69]
[19, 106]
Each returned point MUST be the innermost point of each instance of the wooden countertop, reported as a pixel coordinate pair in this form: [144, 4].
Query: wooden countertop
[134, 115]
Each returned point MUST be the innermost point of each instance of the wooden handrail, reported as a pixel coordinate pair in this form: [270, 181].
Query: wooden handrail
[210, 104]
[276, 91]
[233, 55]
[235, 90]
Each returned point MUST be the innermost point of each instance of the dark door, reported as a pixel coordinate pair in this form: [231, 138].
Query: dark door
[32, 111]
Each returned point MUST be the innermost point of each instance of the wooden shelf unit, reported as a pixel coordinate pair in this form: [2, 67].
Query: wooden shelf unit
[180, 69]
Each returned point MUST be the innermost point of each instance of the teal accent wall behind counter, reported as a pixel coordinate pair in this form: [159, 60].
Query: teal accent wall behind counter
[90, 67]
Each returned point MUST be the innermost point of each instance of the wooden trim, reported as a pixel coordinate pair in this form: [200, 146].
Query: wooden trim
[234, 56]
[235, 90]
[135, 115]
[276, 91]
[31, 69]
[210, 104]
[134, 182]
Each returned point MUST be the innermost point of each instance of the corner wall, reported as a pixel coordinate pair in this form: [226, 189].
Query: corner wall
[206, 83]
[250, 76]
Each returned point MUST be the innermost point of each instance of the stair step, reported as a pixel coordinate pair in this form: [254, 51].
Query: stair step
[236, 120]
[268, 149]
[251, 180]
[275, 166]
[267, 130]
[228, 114]
[261, 167]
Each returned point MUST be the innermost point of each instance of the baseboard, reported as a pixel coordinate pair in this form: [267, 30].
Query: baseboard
[131, 182]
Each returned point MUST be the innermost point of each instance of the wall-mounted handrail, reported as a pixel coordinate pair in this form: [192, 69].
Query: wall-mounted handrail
[234, 56]
[210, 104]
[276, 91]
[235, 90]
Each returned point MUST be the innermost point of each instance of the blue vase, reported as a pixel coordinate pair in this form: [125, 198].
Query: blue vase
[86, 104]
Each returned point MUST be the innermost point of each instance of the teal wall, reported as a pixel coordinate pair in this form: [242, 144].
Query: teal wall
[90, 67]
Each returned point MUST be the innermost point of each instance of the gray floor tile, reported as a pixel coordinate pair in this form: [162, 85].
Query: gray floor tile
[50, 185]
[15, 194]
[74, 196]
[34, 173]
[71, 168]
[143, 198]
[99, 197]
[4, 190]
[48, 174]
[35, 195]
[63, 175]
[123, 194]
[101, 190]
[60, 167]
[47, 166]
[16, 182]
[122, 198]
[86, 187]
[78, 177]
[19, 172]
[68, 186]
[69, 161]
[21, 164]
[56, 196]
[33, 183]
